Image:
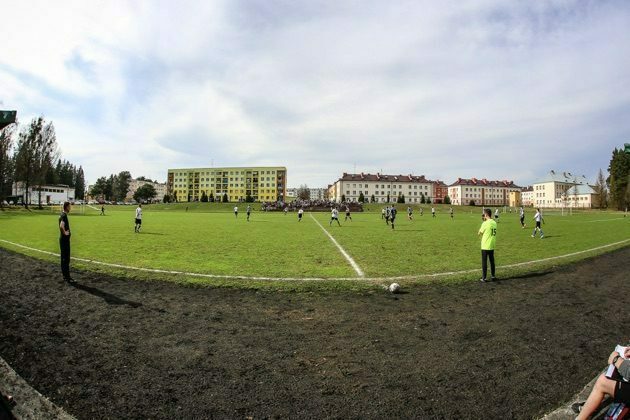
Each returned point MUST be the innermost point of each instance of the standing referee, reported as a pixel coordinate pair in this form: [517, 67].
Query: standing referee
[64, 243]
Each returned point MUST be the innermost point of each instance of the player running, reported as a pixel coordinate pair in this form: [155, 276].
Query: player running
[388, 212]
[286, 210]
[409, 213]
[421, 211]
[433, 211]
[451, 212]
[102, 210]
[138, 218]
[496, 215]
[522, 217]
[334, 215]
[538, 217]
[300, 213]
[249, 210]
[383, 213]
[348, 214]
[235, 211]
[392, 215]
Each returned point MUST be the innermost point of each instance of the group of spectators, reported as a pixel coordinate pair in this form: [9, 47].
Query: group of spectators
[317, 205]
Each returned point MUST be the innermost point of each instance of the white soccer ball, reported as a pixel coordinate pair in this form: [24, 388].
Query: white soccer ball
[394, 288]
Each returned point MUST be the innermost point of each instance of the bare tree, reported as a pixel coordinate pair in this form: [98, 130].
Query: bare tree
[303, 193]
[6, 163]
[601, 190]
[36, 151]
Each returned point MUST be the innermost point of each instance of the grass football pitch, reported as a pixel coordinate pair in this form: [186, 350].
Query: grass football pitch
[209, 239]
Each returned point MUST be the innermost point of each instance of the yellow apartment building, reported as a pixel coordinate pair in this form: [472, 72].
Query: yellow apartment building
[265, 183]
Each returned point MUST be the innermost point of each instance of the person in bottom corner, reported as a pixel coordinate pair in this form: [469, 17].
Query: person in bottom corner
[618, 390]
[488, 232]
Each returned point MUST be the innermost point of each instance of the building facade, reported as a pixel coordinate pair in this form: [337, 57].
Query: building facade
[527, 196]
[261, 183]
[134, 184]
[481, 192]
[50, 194]
[552, 189]
[582, 196]
[384, 188]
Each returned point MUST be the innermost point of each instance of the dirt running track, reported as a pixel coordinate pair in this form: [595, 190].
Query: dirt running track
[116, 348]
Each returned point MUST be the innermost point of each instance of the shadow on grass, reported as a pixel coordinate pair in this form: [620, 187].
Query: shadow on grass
[107, 297]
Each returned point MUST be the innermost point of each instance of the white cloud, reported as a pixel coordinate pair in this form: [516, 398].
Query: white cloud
[422, 87]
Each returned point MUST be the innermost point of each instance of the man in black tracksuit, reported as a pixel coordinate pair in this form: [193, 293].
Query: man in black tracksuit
[64, 242]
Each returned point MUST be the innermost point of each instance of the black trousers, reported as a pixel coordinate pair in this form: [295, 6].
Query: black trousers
[64, 246]
[485, 255]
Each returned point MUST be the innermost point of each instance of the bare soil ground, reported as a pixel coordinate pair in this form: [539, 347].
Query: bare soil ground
[118, 348]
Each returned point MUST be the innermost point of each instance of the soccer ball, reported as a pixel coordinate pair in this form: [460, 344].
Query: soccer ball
[394, 288]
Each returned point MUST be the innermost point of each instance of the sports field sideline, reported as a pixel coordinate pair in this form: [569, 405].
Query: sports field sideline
[277, 246]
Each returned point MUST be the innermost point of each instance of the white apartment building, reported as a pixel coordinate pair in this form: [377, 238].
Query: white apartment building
[384, 188]
[315, 193]
[582, 196]
[481, 192]
[527, 196]
[134, 184]
[552, 189]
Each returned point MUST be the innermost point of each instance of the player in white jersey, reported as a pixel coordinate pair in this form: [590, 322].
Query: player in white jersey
[249, 210]
[409, 213]
[334, 215]
[538, 217]
[300, 213]
[522, 217]
[235, 211]
[138, 218]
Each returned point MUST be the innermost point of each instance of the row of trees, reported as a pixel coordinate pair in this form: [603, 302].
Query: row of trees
[115, 187]
[34, 160]
[618, 181]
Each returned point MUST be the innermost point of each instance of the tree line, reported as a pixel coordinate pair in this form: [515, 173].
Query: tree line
[115, 187]
[34, 159]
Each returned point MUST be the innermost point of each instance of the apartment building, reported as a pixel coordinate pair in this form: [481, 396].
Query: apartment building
[481, 192]
[134, 184]
[582, 196]
[552, 189]
[527, 196]
[384, 188]
[267, 183]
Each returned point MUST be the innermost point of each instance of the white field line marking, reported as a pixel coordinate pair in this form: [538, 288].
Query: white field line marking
[343, 251]
[94, 208]
[223, 276]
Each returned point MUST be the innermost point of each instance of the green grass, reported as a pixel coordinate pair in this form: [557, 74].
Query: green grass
[209, 239]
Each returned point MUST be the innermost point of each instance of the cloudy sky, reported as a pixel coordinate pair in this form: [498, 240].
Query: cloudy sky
[487, 88]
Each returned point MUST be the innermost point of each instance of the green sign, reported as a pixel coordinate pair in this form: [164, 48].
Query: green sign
[6, 118]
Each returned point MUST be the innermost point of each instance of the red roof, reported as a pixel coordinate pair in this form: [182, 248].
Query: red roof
[386, 178]
[484, 183]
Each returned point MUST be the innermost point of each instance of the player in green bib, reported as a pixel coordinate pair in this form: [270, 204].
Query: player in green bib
[488, 230]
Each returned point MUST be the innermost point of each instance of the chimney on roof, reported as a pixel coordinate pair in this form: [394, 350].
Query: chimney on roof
[474, 180]
[345, 174]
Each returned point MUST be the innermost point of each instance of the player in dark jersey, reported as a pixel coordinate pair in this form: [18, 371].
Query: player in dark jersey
[392, 215]
[64, 243]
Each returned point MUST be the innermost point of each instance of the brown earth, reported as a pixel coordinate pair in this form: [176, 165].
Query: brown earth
[119, 348]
